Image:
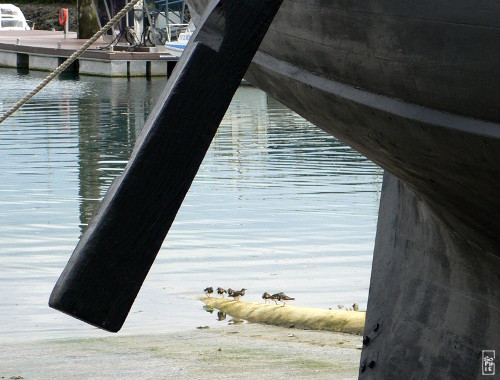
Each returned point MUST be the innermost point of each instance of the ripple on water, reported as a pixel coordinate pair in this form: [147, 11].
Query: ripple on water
[277, 205]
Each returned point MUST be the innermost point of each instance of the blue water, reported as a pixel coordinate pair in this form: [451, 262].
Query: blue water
[278, 205]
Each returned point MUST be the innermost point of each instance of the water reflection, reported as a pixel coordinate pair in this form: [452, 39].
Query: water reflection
[89, 156]
[110, 121]
[277, 204]
[208, 309]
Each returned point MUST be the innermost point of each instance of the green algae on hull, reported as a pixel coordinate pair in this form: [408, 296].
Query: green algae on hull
[352, 322]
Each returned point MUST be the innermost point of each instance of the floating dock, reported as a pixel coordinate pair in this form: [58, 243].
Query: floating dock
[46, 50]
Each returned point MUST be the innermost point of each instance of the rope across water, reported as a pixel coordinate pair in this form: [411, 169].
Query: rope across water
[70, 60]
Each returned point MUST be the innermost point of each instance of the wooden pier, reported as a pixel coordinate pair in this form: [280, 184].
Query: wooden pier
[46, 50]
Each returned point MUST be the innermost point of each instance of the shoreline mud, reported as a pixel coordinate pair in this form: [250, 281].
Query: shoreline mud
[239, 350]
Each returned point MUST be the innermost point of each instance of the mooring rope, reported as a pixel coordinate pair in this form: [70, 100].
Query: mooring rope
[70, 60]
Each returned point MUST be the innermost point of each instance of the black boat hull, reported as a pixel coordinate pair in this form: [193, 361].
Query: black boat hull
[414, 87]
[448, 166]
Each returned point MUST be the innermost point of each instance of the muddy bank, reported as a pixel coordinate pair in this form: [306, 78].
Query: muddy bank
[243, 351]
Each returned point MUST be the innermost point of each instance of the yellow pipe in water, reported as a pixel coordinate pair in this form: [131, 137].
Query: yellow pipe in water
[352, 322]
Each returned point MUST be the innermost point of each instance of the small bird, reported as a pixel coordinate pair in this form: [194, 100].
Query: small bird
[355, 306]
[236, 294]
[276, 297]
[340, 306]
[266, 297]
[221, 291]
[208, 291]
[230, 292]
[284, 298]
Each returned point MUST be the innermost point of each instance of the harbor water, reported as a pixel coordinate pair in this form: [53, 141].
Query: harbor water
[277, 205]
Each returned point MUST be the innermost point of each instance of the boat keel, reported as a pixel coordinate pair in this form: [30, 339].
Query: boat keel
[433, 305]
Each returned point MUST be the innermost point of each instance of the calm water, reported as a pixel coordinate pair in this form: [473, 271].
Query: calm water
[277, 205]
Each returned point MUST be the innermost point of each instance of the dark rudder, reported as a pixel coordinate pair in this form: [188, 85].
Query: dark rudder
[114, 255]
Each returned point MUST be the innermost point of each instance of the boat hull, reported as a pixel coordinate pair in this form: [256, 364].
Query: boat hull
[414, 87]
[443, 56]
[436, 276]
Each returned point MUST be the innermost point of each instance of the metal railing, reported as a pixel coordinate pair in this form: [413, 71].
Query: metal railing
[174, 30]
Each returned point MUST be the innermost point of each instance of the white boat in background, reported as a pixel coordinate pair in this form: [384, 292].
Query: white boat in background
[12, 18]
[177, 46]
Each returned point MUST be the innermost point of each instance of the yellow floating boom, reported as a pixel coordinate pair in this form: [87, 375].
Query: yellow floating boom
[352, 322]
